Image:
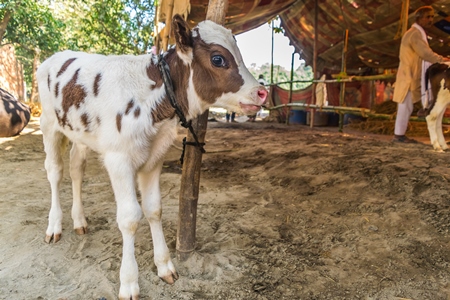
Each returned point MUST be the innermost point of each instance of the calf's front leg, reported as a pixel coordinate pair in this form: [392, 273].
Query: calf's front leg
[151, 205]
[129, 213]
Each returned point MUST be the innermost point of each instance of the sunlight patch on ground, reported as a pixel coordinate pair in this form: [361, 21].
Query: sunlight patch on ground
[7, 139]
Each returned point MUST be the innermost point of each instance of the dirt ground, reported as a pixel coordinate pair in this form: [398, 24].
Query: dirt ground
[285, 212]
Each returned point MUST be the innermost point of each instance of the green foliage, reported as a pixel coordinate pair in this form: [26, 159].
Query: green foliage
[30, 28]
[303, 73]
[107, 26]
[110, 26]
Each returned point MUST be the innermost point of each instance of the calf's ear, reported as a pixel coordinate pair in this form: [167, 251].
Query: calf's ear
[182, 34]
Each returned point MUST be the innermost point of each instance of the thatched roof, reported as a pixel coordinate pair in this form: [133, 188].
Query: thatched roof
[372, 25]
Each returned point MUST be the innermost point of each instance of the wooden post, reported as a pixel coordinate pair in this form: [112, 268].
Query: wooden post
[316, 39]
[34, 98]
[190, 177]
[168, 28]
[290, 88]
[343, 72]
[271, 55]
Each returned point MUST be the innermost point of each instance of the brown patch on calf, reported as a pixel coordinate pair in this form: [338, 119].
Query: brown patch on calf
[97, 79]
[60, 121]
[137, 112]
[154, 75]
[129, 107]
[119, 122]
[211, 81]
[57, 90]
[73, 94]
[179, 73]
[65, 66]
[435, 74]
[85, 121]
[447, 79]
[163, 110]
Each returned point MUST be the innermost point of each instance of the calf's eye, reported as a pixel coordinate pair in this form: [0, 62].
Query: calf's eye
[218, 61]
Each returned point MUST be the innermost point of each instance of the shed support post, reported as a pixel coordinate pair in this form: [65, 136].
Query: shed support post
[343, 73]
[190, 177]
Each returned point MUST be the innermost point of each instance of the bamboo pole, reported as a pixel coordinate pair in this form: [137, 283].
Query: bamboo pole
[190, 177]
[315, 51]
[331, 107]
[168, 28]
[343, 72]
[271, 56]
[365, 112]
[290, 88]
[341, 79]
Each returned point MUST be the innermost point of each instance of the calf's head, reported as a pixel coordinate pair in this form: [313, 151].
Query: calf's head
[218, 75]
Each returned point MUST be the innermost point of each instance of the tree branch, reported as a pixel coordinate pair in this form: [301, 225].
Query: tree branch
[4, 24]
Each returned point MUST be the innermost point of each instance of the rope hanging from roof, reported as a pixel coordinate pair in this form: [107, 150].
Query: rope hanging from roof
[403, 23]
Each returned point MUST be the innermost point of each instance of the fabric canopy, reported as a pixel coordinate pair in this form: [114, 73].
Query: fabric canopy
[374, 27]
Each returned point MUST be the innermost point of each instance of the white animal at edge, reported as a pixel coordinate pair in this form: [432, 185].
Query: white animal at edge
[117, 106]
[439, 76]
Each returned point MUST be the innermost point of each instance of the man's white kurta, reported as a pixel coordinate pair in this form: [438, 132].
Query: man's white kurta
[413, 49]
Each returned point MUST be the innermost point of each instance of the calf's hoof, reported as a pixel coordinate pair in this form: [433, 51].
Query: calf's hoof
[171, 278]
[54, 237]
[130, 298]
[81, 230]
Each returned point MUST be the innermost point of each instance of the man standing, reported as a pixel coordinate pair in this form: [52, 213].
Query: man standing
[414, 54]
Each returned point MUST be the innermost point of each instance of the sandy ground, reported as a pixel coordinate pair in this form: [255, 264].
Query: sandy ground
[285, 212]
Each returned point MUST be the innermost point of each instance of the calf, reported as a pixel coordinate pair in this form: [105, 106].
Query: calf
[118, 106]
[439, 76]
[14, 115]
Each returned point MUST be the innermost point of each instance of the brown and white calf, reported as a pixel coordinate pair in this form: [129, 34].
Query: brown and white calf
[117, 106]
[439, 76]
[14, 115]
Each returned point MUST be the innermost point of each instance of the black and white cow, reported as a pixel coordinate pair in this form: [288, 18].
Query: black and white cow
[439, 76]
[14, 115]
[118, 106]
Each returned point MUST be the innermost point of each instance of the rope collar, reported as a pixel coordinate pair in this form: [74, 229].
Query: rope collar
[164, 69]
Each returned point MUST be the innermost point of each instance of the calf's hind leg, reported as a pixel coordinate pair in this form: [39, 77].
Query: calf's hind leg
[55, 144]
[78, 155]
[434, 124]
[440, 134]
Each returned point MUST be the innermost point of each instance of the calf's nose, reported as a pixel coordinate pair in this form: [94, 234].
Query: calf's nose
[262, 95]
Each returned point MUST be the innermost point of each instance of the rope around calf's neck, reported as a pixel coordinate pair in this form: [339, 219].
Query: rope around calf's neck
[164, 69]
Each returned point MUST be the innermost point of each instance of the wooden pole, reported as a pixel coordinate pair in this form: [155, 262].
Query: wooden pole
[343, 72]
[168, 28]
[271, 56]
[316, 38]
[190, 177]
[290, 88]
